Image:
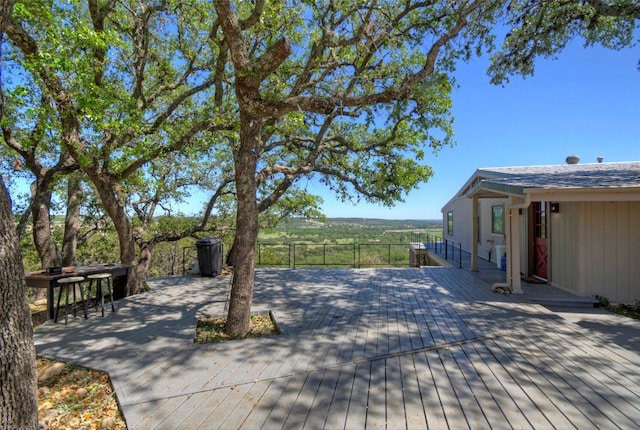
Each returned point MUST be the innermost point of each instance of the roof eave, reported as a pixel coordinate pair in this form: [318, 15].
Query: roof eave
[487, 189]
[603, 194]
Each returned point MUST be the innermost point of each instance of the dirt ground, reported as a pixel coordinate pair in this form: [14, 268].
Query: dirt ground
[73, 397]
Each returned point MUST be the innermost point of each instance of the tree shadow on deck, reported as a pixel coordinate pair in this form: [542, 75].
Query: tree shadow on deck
[359, 346]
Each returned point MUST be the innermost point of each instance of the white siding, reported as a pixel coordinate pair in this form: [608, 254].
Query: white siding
[564, 249]
[489, 240]
[461, 208]
[463, 224]
[596, 249]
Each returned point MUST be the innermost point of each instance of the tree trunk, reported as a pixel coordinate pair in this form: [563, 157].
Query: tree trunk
[18, 401]
[230, 255]
[42, 238]
[72, 220]
[113, 202]
[239, 317]
[144, 261]
[127, 247]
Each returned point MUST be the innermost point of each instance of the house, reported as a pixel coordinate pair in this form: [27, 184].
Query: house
[575, 226]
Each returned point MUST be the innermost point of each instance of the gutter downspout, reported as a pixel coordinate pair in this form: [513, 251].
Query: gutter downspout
[513, 282]
[474, 234]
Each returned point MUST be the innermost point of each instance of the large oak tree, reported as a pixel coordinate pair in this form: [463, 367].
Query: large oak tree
[348, 92]
[18, 403]
[128, 95]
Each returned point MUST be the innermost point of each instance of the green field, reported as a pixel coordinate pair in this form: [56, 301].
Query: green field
[342, 242]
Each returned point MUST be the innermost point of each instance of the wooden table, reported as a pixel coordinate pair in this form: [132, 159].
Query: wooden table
[39, 279]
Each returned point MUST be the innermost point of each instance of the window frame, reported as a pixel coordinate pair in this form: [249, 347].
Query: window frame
[450, 223]
[497, 219]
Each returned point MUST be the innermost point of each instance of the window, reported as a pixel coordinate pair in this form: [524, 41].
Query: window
[497, 219]
[540, 219]
[450, 223]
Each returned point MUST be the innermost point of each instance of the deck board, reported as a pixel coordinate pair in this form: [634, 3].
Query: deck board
[239, 415]
[286, 406]
[544, 392]
[301, 406]
[376, 401]
[339, 406]
[261, 406]
[319, 408]
[411, 395]
[177, 415]
[371, 348]
[579, 385]
[358, 402]
[394, 394]
[500, 386]
[462, 391]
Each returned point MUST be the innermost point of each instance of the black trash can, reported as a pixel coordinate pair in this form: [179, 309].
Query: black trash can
[209, 256]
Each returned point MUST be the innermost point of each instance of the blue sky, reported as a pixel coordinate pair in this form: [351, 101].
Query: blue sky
[586, 102]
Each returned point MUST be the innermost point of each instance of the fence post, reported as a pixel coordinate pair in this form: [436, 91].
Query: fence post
[353, 262]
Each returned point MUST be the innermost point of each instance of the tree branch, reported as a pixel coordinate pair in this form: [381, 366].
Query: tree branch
[176, 146]
[626, 9]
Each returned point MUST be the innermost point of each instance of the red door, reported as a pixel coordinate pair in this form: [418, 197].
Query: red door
[540, 239]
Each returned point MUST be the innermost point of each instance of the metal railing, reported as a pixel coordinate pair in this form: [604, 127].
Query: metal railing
[355, 255]
[453, 244]
[430, 241]
[440, 246]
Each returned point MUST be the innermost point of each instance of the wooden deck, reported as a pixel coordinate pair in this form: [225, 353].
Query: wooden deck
[362, 348]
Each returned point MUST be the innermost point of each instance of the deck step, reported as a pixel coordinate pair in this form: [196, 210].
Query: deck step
[573, 302]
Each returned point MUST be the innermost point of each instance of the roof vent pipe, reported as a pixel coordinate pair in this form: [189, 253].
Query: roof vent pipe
[600, 159]
[572, 159]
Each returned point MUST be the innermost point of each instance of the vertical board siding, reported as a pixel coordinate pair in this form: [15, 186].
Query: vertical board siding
[600, 242]
[565, 244]
[596, 262]
[633, 257]
[609, 275]
[621, 265]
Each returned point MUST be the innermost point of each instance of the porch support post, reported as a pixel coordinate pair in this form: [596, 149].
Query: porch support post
[474, 235]
[512, 283]
[513, 248]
